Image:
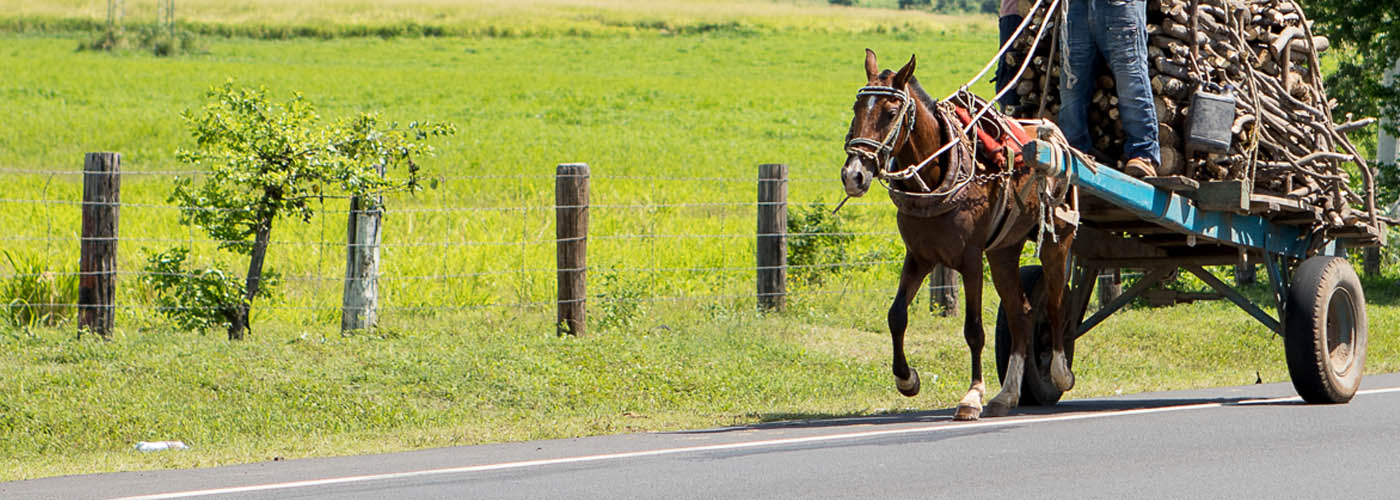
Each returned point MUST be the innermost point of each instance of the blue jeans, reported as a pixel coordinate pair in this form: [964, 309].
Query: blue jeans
[1118, 30]
[1006, 26]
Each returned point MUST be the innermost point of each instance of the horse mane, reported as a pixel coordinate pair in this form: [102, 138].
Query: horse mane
[919, 92]
[931, 105]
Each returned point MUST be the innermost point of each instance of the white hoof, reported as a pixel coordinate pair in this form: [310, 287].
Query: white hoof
[1060, 373]
[970, 408]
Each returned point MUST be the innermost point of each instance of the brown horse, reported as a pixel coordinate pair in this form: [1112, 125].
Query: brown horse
[956, 207]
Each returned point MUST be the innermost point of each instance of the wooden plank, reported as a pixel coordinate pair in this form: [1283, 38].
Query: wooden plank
[1179, 183]
[1095, 244]
[1225, 196]
[1264, 203]
[1133, 227]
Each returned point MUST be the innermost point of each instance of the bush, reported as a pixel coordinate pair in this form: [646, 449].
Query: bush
[620, 303]
[160, 41]
[197, 299]
[965, 6]
[847, 3]
[817, 238]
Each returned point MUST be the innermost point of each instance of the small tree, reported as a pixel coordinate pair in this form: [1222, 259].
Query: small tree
[265, 160]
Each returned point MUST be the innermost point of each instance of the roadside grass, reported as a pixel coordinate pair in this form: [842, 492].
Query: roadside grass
[78, 406]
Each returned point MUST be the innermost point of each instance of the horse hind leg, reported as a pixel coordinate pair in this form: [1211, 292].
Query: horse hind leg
[906, 379]
[1054, 262]
[1006, 278]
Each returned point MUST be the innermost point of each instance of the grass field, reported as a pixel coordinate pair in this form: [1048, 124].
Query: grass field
[466, 356]
[494, 18]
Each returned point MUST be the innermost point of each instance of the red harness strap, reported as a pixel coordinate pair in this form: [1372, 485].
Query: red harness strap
[996, 145]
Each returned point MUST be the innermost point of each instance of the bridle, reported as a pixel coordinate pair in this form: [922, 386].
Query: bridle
[883, 154]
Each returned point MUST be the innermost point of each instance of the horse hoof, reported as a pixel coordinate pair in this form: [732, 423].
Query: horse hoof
[997, 409]
[967, 412]
[908, 387]
[1064, 383]
[1060, 373]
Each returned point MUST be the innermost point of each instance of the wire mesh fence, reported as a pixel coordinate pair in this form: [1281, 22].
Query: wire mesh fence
[473, 243]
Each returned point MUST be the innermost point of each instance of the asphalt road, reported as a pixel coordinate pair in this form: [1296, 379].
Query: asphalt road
[1254, 441]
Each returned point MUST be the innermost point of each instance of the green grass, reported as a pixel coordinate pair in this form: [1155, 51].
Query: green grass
[456, 362]
[74, 406]
[283, 19]
[671, 107]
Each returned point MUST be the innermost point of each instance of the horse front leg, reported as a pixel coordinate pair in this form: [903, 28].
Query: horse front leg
[906, 379]
[970, 407]
[1005, 266]
[1054, 259]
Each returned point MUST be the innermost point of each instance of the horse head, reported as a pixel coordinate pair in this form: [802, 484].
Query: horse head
[883, 123]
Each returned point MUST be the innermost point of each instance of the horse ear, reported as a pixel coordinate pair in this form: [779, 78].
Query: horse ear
[902, 77]
[871, 69]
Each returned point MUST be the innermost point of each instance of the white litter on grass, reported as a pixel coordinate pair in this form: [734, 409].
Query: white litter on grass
[160, 445]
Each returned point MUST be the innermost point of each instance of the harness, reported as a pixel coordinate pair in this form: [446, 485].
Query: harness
[994, 136]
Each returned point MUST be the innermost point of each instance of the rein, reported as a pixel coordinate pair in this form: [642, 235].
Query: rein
[913, 171]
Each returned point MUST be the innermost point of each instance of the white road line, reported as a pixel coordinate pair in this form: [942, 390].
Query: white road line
[981, 424]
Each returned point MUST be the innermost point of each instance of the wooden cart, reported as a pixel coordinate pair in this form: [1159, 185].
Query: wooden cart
[1125, 223]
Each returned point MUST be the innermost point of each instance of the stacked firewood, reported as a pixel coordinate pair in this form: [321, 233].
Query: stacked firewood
[1260, 52]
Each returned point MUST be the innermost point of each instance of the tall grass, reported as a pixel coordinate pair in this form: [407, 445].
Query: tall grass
[36, 294]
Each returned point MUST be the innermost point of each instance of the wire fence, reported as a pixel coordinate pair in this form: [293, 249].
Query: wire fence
[476, 242]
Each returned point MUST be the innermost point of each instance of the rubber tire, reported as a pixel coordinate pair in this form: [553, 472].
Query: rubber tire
[1321, 286]
[1037, 388]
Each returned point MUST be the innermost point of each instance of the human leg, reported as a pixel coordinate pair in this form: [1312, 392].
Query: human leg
[1124, 24]
[1077, 77]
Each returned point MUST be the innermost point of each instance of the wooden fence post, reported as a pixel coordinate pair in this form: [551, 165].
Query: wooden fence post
[1371, 261]
[1246, 274]
[359, 308]
[571, 255]
[97, 264]
[1110, 287]
[772, 235]
[943, 291]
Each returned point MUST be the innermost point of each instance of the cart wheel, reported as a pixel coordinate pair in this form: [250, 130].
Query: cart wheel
[1037, 388]
[1325, 330]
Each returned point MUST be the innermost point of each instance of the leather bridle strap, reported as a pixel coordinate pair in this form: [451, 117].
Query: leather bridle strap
[882, 152]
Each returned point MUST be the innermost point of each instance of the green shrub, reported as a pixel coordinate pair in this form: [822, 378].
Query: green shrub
[620, 303]
[160, 41]
[817, 239]
[197, 299]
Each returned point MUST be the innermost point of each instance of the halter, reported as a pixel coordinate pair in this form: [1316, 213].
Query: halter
[883, 154]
